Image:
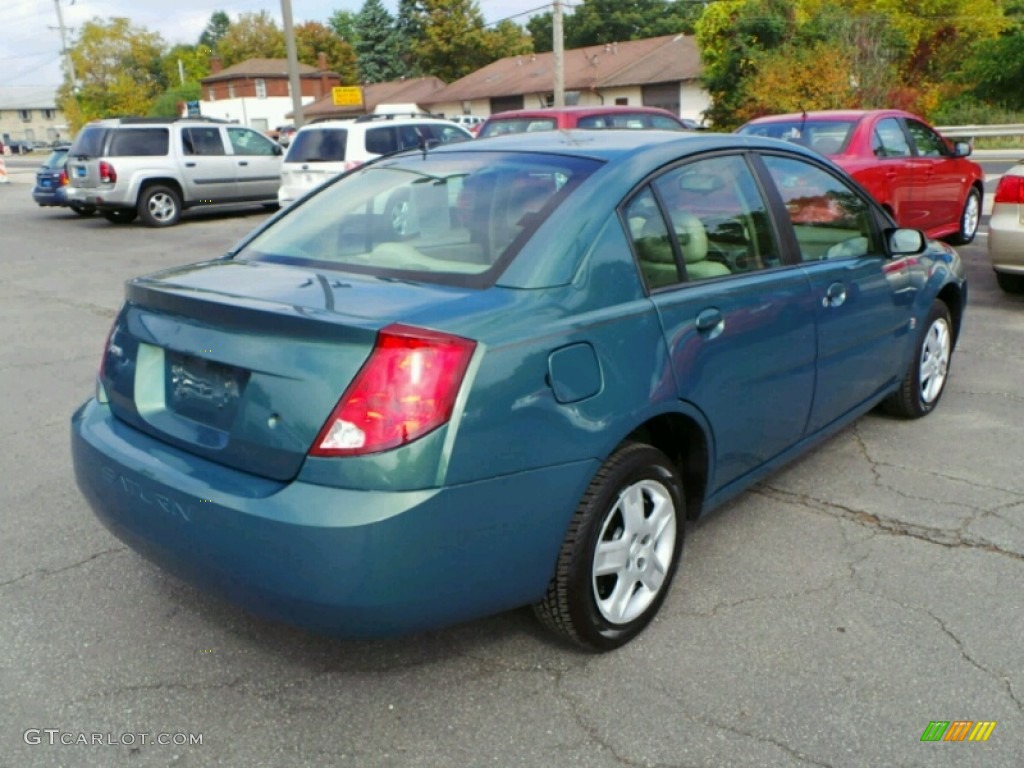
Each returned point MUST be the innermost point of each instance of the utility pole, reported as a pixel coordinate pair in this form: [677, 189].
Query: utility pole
[558, 50]
[293, 64]
[64, 46]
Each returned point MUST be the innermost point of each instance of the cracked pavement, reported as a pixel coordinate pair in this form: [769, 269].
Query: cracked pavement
[823, 618]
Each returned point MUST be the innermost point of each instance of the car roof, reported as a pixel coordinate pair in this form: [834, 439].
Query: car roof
[655, 146]
[827, 114]
[610, 109]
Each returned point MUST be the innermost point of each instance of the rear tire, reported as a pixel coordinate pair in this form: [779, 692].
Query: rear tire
[1010, 283]
[159, 206]
[120, 215]
[925, 379]
[620, 551]
[970, 217]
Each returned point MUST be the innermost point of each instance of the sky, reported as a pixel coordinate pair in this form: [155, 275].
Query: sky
[30, 43]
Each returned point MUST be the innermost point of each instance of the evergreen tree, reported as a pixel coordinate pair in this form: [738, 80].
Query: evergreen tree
[377, 45]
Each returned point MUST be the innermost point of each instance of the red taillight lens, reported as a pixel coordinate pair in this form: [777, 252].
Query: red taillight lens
[63, 177]
[406, 389]
[107, 173]
[1010, 190]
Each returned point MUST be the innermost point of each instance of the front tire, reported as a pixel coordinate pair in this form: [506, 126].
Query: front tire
[620, 551]
[925, 379]
[970, 217]
[159, 206]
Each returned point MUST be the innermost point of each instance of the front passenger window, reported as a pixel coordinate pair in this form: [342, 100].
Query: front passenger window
[830, 219]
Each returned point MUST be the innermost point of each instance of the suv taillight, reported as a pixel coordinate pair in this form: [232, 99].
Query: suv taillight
[1010, 190]
[63, 178]
[107, 173]
[405, 389]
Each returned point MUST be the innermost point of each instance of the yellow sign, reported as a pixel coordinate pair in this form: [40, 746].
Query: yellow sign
[347, 96]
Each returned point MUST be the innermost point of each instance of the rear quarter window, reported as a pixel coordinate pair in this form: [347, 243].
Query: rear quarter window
[139, 142]
[318, 145]
[90, 141]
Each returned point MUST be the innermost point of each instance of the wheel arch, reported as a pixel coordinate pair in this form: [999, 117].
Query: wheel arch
[683, 439]
[162, 181]
[952, 296]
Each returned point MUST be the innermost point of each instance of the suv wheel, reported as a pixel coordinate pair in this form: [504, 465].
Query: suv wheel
[159, 206]
[120, 216]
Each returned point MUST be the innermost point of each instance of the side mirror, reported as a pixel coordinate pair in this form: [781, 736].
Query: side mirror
[278, 149]
[905, 242]
[962, 149]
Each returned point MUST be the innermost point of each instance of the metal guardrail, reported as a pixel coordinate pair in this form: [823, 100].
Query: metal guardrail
[976, 131]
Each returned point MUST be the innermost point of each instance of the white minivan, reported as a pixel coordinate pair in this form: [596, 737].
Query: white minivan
[321, 150]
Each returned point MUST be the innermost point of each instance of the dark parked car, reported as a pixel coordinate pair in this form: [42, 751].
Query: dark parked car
[569, 344]
[20, 146]
[591, 118]
[52, 181]
[922, 179]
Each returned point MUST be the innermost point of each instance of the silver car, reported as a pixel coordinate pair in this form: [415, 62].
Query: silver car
[153, 168]
[1006, 231]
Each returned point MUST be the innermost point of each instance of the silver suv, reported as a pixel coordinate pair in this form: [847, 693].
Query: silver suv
[153, 168]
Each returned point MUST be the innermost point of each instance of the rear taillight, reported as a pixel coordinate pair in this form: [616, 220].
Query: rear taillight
[107, 173]
[1010, 190]
[405, 389]
[63, 177]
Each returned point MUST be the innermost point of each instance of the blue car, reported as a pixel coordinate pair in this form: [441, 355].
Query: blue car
[52, 181]
[502, 373]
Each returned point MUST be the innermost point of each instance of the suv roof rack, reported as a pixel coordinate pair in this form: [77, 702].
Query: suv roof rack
[392, 115]
[165, 120]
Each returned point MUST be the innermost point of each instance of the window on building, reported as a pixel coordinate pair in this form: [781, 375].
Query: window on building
[622, 101]
[261, 88]
[231, 90]
[25, 115]
[50, 114]
[212, 94]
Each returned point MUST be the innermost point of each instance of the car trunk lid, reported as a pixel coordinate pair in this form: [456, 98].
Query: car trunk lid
[242, 363]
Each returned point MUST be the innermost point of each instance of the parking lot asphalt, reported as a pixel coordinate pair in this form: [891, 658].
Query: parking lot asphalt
[824, 618]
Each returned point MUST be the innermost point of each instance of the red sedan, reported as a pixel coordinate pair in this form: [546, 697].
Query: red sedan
[922, 179]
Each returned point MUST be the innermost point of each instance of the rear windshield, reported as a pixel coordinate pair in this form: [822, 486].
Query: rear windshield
[828, 137]
[635, 121]
[139, 142]
[450, 218]
[499, 127]
[56, 159]
[89, 142]
[318, 145]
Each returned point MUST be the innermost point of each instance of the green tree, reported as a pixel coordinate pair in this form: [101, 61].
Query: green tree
[194, 62]
[216, 28]
[344, 25]
[252, 36]
[994, 71]
[508, 39]
[169, 103]
[454, 41]
[378, 46]
[595, 22]
[119, 71]
[409, 27]
[313, 38]
[541, 29]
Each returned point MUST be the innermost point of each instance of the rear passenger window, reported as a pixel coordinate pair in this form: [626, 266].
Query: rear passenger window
[889, 140]
[202, 141]
[381, 141]
[245, 141]
[719, 223]
[830, 219]
[139, 142]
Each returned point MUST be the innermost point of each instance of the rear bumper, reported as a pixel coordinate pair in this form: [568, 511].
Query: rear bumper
[1006, 238]
[47, 196]
[100, 198]
[355, 563]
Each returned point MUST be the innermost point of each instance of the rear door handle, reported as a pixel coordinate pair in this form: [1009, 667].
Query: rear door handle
[834, 296]
[710, 322]
[190, 165]
[243, 162]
